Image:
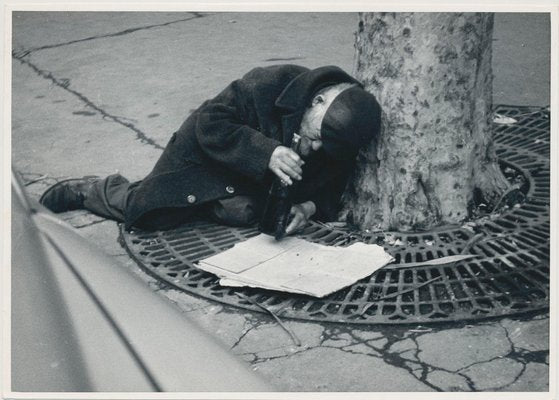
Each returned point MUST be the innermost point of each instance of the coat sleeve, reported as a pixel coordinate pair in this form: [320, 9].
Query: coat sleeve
[224, 134]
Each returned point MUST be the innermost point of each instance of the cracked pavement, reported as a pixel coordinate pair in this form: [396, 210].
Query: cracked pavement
[96, 93]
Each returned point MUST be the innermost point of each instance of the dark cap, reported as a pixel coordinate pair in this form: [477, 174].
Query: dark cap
[351, 121]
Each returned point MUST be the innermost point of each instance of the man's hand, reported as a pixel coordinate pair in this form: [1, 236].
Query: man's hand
[286, 164]
[301, 214]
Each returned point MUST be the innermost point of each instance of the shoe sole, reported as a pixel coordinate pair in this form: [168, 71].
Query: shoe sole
[57, 184]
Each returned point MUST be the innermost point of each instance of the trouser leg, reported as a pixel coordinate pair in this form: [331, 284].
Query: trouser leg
[108, 197]
[234, 211]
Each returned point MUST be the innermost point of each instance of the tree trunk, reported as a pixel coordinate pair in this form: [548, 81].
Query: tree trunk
[431, 73]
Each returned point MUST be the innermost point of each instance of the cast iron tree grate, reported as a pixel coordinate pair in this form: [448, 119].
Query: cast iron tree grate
[509, 275]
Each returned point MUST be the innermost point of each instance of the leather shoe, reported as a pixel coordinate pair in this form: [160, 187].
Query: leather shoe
[68, 194]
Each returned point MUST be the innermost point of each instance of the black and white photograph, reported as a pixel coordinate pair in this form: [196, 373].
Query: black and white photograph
[290, 201]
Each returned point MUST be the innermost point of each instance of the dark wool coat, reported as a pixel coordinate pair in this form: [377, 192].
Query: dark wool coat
[223, 148]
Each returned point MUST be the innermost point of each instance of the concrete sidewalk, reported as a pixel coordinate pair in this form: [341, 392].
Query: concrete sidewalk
[96, 93]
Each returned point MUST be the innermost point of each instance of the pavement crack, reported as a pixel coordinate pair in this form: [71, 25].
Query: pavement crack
[65, 85]
[35, 180]
[394, 358]
[522, 356]
[192, 309]
[195, 15]
[90, 223]
[526, 356]
[482, 362]
[471, 384]
[245, 332]
[259, 359]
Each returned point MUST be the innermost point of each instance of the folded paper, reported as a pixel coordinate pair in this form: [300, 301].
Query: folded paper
[295, 265]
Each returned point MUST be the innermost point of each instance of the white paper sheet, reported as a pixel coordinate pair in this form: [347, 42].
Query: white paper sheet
[295, 265]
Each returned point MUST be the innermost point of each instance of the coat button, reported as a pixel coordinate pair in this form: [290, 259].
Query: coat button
[191, 198]
[230, 189]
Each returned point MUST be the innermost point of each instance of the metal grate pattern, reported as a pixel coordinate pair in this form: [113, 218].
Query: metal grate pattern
[510, 274]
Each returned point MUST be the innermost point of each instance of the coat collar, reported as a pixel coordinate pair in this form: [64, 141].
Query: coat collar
[297, 95]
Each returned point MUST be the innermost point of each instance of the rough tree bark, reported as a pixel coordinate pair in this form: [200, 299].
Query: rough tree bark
[431, 73]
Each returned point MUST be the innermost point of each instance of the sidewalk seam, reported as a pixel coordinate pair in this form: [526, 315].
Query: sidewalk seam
[23, 52]
[65, 83]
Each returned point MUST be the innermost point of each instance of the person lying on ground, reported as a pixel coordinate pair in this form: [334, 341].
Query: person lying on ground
[221, 162]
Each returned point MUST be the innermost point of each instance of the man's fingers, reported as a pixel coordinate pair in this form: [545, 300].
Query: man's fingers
[286, 169]
[295, 157]
[286, 164]
[284, 177]
[295, 223]
[292, 164]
